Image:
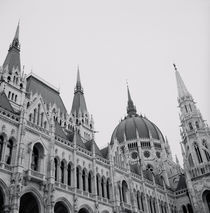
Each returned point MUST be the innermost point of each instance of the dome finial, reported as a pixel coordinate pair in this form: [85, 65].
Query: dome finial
[131, 109]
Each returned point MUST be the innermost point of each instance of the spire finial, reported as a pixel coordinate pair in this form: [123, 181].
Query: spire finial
[182, 89]
[78, 82]
[131, 109]
[17, 31]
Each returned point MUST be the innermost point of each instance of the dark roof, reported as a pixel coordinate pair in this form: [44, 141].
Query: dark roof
[135, 168]
[79, 140]
[182, 183]
[12, 59]
[78, 104]
[4, 102]
[59, 131]
[132, 124]
[49, 94]
[89, 145]
[105, 152]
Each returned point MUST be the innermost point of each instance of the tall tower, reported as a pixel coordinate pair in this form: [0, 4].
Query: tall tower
[79, 115]
[13, 82]
[195, 148]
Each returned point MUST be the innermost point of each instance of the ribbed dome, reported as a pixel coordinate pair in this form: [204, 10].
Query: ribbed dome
[129, 127]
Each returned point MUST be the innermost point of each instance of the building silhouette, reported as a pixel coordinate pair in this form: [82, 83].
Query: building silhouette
[51, 163]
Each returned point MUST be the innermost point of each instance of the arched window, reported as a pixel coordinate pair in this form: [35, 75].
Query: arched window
[34, 119]
[83, 179]
[190, 107]
[89, 182]
[197, 125]
[38, 114]
[62, 171]
[9, 94]
[207, 155]
[56, 169]
[186, 108]
[197, 150]
[35, 159]
[37, 156]
[124, 191]
[1, 146]
[102, 187]
[189, 207]
[190, 126]
[97, 183]
[142, 201]
[69, 174]
[8, 151]
[138, 200]
[191, 163]
[107, 188]
[78, 175]
[150, 205]
[184, 209]
[15, 98]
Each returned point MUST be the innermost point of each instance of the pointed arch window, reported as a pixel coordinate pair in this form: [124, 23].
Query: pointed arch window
[138, 200]
[78, 176]
[107, 188]
[190, 160]
[124, 191]
[198, 153]
[62, 171]
[56, 169]
[34, 119]
[190, 107]
[1, 146]
[97, 184]
[190, 126]
[89, 182]
[197, 125]
[207, 155]
[186, 108]
[83, 180]
[142, 201]
[69, 174]
[8, 152]
[102, 187]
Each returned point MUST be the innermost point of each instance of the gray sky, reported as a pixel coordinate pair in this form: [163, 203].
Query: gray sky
[112, 41]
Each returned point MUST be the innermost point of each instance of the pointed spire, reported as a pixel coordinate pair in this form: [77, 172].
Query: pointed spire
[182, 89]
[17, 31]
[78, 83]
[131, 109]
[12, 60]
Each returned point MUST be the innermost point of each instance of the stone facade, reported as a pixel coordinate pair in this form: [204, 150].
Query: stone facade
[50, 162]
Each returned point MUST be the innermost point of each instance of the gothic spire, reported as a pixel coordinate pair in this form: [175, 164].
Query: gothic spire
[182, 89]
[13, 56]
[78, 83]
[79, 104]
[131, 109]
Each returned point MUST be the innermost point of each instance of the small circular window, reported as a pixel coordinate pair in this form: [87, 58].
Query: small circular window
[146, 154]
[158, 154]
[134, 155]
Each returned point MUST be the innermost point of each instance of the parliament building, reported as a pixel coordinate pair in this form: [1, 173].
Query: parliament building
[51, 163]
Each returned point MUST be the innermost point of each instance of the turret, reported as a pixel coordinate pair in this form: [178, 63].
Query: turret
[79, 113]
[13, 80]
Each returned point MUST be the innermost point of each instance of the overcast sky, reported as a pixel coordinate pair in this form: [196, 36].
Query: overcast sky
[114, 41]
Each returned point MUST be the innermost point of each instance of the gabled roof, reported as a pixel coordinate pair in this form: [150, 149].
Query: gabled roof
[48, 93]
[79, 140]
[59, 131]
[135, 168]
[182, 183]
[105, 152]
[4, 102]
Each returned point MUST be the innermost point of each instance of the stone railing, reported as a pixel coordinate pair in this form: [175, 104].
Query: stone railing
[37, 176]
[64, 141]
[200, 170]
[9, 115]
[85, 151]
[38, 128]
